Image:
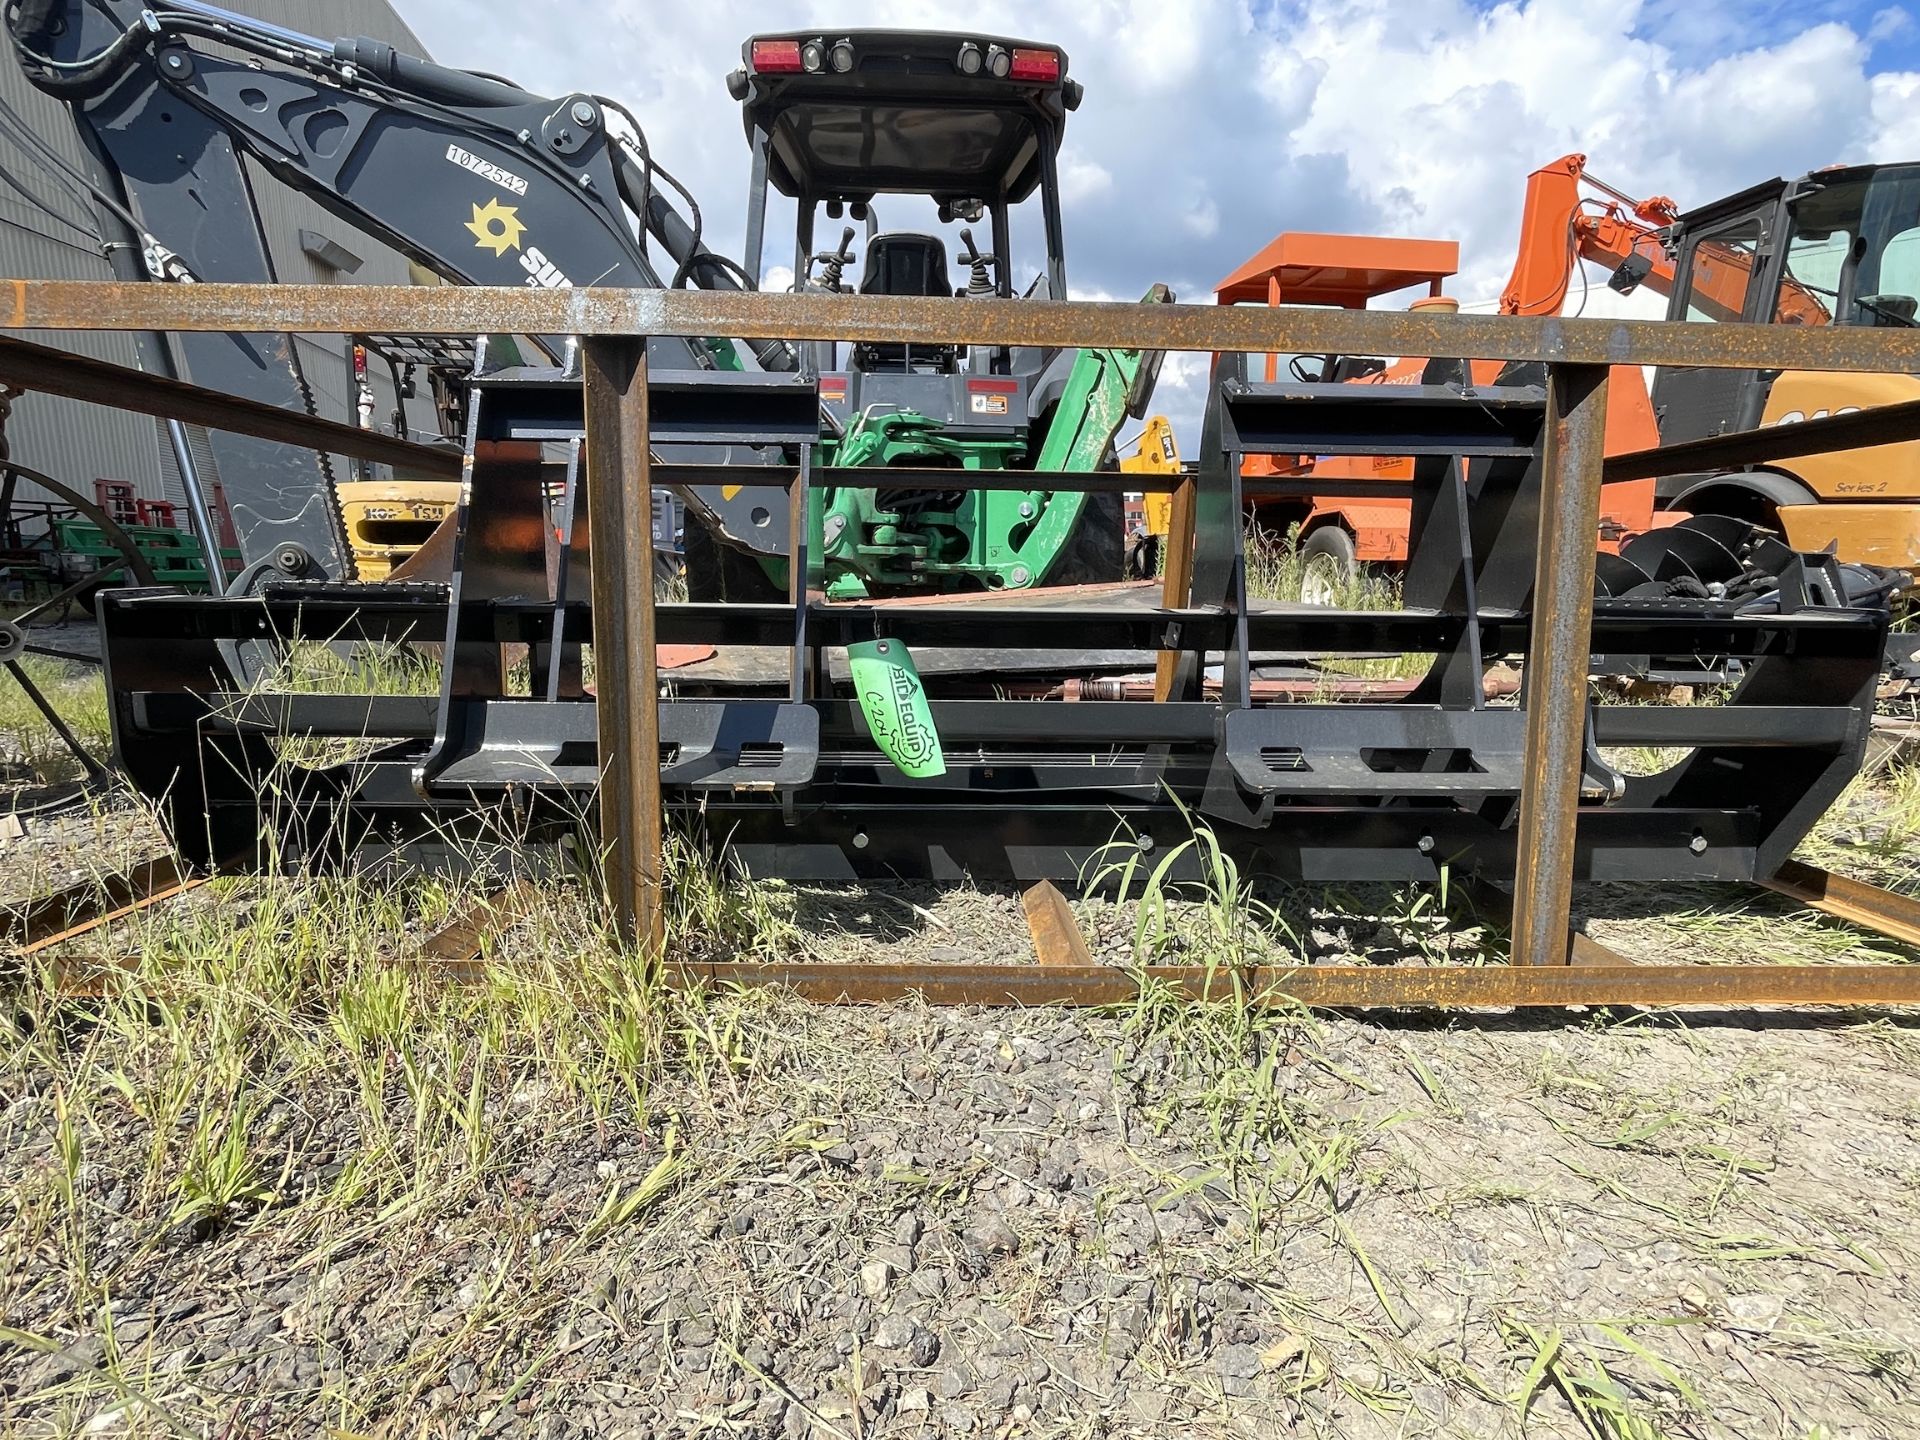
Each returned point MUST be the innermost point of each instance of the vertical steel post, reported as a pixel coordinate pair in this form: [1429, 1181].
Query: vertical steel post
[1557, 662]
[620, 517]
[1176, 584]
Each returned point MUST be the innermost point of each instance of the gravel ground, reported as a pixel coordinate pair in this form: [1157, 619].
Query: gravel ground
[951, 1223]
[899, 1221]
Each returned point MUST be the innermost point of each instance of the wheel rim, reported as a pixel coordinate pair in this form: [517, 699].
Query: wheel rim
[20, 641]
[1320, 579]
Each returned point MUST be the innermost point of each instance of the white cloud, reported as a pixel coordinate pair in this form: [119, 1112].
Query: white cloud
[1211, 125]
[1889, 24]
[1081, 179]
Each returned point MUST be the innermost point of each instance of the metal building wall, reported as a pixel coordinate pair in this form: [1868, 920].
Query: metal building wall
[80, 443]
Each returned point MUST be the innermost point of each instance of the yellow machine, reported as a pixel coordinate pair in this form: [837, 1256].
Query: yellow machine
[387, 520]
[1156, 454]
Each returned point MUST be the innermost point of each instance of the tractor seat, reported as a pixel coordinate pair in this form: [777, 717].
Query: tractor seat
[906, 264]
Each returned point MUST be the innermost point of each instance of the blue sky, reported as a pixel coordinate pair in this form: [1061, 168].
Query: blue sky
[1211, 125]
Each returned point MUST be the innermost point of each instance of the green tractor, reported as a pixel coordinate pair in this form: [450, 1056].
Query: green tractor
[971, 125]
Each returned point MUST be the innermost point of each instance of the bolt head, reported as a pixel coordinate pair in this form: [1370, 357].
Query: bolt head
[583, 113]
[1698, 845]
[1021, 575]
[1425, 844]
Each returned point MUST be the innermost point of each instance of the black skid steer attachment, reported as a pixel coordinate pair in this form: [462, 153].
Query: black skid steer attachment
[1266, 725]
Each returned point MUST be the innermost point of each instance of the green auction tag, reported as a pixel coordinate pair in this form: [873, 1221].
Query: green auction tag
[895, 705]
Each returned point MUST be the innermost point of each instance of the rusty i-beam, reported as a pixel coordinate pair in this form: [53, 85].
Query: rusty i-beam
[1555, 694]
[627, 690]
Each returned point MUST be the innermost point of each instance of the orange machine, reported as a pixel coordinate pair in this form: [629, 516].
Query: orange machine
[1560, 226]
[1338, 535]
[1837, 247]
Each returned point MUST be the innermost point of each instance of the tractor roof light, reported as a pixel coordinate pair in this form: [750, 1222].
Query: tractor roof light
[969, 59]
[777, 57]
[998, 62]
[841, 56]
[813, 56]
[1036, 65]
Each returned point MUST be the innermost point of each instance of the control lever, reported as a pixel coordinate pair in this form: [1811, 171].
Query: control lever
[980, 281]
[833, 262]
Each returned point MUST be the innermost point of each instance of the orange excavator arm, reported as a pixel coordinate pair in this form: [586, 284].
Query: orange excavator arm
[1561, 225]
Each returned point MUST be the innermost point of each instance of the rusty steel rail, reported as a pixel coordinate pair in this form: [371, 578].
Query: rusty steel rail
[1557, 666]
[1494, 987]
[91, 904]
[1884, 912]
[627, 695]
[470, 310]
[26, 366]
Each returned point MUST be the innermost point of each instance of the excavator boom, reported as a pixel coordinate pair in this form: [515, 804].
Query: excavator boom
[1561, 226]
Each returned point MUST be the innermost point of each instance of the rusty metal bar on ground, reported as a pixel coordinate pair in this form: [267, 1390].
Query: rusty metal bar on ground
[473, 310]
[462, 939]
[1885, 912]
[1497, 987]
[627, 693]
[1555, 694]
[90, 904]
[26, 366]
[1497, 905]
[1057, 940]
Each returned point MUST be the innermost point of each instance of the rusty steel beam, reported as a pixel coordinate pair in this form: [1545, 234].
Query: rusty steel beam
[1884, 912]
[26, 366]
[1881, 425]
[1056, 934]
[627, 695]
[1496, 905]
[87, 906]
[469, 310]
[1495, 987]
[463, 938]
[1555, 694]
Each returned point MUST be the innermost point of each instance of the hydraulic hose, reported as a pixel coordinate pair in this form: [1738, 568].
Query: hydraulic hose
[708, 269]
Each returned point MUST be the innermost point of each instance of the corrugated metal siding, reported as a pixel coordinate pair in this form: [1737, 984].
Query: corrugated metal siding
[79, 443]
[76, 444]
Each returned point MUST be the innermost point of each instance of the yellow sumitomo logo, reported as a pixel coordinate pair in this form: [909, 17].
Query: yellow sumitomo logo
[496, 227]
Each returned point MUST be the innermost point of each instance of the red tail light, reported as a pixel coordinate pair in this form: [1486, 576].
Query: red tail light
[778, 57]
[1036, 65]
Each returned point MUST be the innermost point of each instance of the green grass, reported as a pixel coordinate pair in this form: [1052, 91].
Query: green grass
[77, 695]
[1275, 568]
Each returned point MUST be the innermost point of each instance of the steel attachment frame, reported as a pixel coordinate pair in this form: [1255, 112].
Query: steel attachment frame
[775, 761]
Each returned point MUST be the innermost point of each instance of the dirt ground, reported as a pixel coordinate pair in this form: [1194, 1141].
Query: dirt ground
[274, 1184]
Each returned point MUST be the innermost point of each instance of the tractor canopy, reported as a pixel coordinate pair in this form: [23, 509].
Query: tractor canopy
[853, 114]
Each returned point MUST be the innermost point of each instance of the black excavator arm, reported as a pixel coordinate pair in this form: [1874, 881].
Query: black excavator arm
[480, 181]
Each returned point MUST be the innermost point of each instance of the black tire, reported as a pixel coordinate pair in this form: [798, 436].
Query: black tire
[716, 571]
[1097, 553]
[1143, 558]
[1327, 561]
